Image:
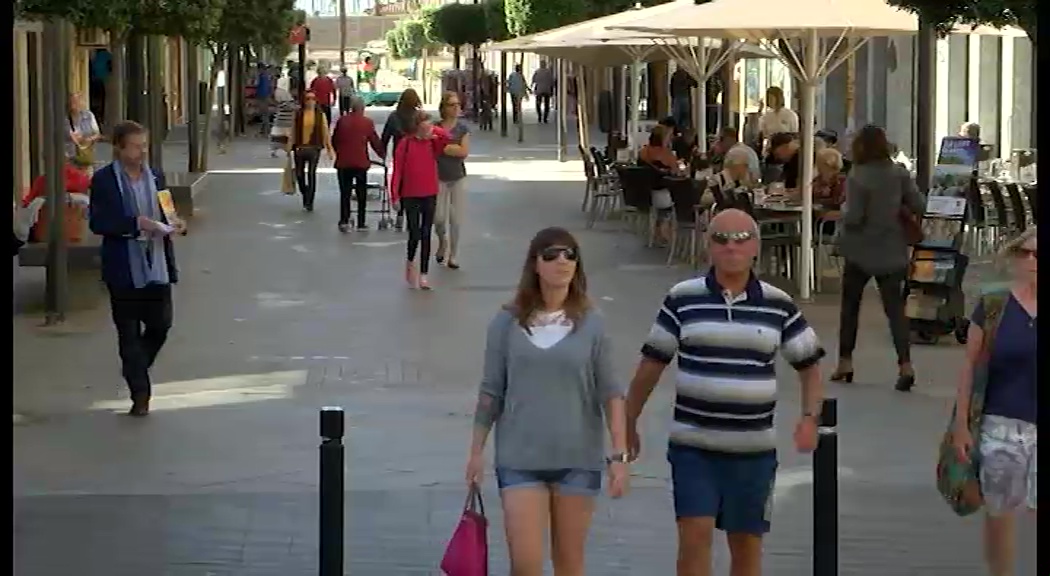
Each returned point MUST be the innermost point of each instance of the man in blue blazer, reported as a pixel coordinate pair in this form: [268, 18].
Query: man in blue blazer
[138, 259]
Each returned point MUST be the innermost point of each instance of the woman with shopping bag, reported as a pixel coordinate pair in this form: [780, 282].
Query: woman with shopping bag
[548, 388]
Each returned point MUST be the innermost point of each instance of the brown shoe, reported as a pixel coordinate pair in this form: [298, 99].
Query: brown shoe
[139, 406]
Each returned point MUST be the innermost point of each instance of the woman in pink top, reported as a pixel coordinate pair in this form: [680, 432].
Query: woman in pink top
[414, 183]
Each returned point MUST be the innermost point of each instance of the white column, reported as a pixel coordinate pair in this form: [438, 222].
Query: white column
[1006, 108]
[636, 72]
[701, 96]
[869, 100]
[809, 92]
[21, 112]
[973, 79]
[940, 121]
[561, 113]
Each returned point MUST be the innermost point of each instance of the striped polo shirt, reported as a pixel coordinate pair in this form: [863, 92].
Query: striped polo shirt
[726, 345]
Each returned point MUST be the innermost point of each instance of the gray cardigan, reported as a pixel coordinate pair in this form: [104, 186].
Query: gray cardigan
[550, 402]
[871, 236]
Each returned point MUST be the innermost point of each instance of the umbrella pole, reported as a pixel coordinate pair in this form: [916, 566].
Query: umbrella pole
[561, 113]
[701, 93]
[809, 96]
[636, 72]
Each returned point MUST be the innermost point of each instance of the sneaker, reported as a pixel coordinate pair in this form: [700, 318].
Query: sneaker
[344, 228]
[139, 406]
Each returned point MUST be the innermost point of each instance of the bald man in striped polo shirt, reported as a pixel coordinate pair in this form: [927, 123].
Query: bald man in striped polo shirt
[726, 328]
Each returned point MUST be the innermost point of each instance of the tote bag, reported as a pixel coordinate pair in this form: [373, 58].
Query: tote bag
[287, 180]
[467, 553]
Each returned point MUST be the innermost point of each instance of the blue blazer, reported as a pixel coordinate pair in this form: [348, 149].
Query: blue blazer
[109, 219]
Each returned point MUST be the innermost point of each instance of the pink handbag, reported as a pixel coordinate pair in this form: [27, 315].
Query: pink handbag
[467, 553]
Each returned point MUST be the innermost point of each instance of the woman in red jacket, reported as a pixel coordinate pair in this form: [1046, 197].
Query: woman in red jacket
[414, 183]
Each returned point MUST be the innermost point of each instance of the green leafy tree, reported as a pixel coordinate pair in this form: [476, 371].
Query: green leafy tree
[412, 38]
[393, 42]
[531, 16]
[457, 24]
[946, 14]
[496, 20]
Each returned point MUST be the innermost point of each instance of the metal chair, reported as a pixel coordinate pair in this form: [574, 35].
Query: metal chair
[591, 173]
[686, 226]
[636, 185]
[1032, 196]
[1020, 212]
[1003, 223]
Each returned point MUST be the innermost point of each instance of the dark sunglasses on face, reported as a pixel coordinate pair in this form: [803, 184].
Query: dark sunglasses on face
[551, 254]
[723, 238]
[1023, 253]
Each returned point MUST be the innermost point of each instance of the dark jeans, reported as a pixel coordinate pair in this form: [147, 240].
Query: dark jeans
[306, 160]
[543, 107]
[143, 317]
[326, 109]
[420, 216]
[344, 105]
[891, 289]
[515, 104]
[352, 181]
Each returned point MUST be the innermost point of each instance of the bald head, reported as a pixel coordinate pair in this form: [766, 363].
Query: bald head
[732, 220]
[734, 241]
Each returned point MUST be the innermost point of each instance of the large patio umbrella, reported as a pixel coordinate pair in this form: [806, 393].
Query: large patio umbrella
[812, 37]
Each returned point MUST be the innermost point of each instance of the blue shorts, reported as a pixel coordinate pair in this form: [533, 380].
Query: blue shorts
[572, 481]
[734, 489]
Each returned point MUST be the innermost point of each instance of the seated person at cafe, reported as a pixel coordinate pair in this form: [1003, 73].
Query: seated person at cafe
[728, 187]
[727, 140]
[657, 154]
[784, 150]
[829, 185]
[76, 176]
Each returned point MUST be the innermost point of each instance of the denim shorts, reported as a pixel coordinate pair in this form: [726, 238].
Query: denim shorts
[734, 489]
[1008, 464]
[572, 481]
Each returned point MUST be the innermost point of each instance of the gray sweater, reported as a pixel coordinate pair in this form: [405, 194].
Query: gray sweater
[871, 236]
[550, 402]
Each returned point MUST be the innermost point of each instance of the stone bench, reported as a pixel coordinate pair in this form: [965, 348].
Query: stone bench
[183, 187]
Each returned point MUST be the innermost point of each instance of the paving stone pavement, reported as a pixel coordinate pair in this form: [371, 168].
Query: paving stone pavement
[278, 314]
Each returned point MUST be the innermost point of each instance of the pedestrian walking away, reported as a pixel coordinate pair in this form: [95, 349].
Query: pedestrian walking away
[351, 138]
[394, 129]
[548, 388]
[995, 407]
[309, 136]
[518, 89]
[138, 258]
[414, 185]
[345, 85]
[452, 174]
[543, 87]
[725, 328]
[873, 243]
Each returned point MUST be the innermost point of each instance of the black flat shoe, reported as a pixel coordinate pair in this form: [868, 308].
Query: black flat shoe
[905, 382]
[452, 265]
[846, 377]
[439, 259]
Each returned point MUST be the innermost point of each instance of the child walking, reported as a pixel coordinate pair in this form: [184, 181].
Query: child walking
[414, 184]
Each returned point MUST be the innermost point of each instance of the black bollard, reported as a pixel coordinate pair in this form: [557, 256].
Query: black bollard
[826, 493]
[332, 514]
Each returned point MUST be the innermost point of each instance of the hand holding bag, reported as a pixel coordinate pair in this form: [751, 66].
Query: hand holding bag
[467, 553]
[287, 179]
[958, 480]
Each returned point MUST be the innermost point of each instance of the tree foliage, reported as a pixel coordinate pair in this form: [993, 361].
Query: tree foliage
[408, 39]
[496, 20]
[531, 16]
[187, 18]
[459, 24]
[946, 14]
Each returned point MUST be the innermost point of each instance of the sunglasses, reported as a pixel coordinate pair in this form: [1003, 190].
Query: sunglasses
[723, 238]
[1022, 253]
[551, 254]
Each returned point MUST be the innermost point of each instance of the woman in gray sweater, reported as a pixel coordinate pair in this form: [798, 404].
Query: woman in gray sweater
[548, 388]
[872, 242]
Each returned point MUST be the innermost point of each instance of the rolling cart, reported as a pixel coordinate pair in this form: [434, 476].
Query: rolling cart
[934, 301]
[381, 191]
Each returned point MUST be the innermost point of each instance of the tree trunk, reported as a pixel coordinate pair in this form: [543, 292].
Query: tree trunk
[455, 58]
[218, 58]
[116, 103]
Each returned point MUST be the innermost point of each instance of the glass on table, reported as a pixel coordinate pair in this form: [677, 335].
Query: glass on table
[777, 189]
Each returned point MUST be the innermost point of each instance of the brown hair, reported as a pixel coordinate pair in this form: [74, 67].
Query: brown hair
[775, 92]
[124, 129]
[408, 102]
[657, 135]
[444, 105]
[870, 145]
[529, 297]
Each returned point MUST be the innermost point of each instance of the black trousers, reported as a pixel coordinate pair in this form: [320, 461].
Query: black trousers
[419, 213]
[891, 289]
[515, 104]
[306, 160]
[543, 107]
[352, 181]
[326, 109]
[344, 105]
[143, 317]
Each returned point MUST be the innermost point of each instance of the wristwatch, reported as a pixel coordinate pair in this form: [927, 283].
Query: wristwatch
[621, 457]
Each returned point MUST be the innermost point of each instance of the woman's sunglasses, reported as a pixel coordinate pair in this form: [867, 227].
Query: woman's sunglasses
[551, 254]
[723, 238]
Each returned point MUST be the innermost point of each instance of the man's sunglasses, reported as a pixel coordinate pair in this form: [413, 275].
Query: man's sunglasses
[723, 238]
[1025, 253]
[551, 254]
